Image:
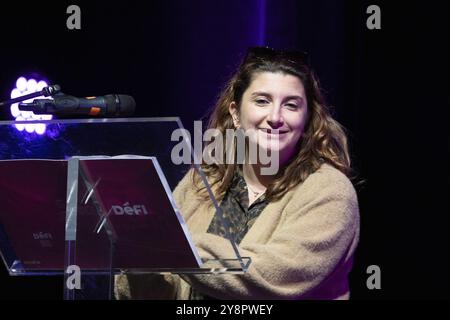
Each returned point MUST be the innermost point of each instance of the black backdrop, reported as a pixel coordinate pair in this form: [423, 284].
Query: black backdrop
[388, 88]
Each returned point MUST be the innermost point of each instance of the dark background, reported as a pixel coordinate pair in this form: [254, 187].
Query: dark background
[389, 88]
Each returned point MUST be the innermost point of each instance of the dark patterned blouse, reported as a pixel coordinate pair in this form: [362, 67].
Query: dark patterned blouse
[239, 216]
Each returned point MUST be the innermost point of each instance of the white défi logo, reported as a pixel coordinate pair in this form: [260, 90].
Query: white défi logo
[128, 209]
[42, 236]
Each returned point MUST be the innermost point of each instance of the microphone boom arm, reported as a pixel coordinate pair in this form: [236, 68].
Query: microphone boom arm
[47, 92]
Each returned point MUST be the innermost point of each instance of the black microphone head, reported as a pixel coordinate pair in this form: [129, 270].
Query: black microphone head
[127, 104]
[119, 105]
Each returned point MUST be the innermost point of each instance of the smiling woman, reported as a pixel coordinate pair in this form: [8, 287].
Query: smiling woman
[300, 224]
[275, 105]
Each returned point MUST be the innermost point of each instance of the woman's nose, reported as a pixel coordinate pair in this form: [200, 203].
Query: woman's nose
[275, 118]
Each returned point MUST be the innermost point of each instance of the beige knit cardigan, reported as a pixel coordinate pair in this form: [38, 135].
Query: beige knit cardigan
[301, 246]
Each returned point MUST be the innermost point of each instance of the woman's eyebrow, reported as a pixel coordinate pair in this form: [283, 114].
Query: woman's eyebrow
[261, 93]
[294, 97]
[266, 94]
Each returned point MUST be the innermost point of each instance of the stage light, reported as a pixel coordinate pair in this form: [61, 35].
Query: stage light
[29, 128]
[21, 84]
[25, 86]
[20, 127]
[31, 85]
[39, 128]
[41, 85]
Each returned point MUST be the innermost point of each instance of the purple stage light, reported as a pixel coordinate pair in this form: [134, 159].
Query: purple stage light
[26, 86]
[21, 84]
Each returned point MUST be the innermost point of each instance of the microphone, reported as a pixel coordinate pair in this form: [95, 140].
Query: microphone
[111, 105]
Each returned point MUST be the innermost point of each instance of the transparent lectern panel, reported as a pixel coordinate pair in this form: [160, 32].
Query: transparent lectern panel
[32, 215]
[96, 194]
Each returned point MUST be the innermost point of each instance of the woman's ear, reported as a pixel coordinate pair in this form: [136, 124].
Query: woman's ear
[233, 110]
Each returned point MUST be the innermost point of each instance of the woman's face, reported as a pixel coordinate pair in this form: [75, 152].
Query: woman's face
[274, 101]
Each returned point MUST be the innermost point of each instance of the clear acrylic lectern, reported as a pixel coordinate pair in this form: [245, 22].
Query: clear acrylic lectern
[92, 198]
